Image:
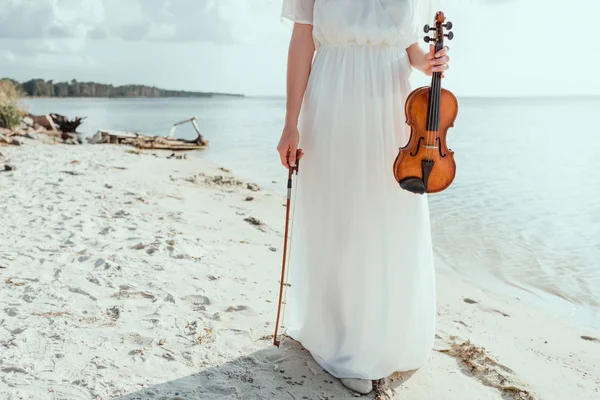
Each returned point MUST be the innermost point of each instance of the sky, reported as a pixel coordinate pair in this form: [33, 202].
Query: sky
[501, 47]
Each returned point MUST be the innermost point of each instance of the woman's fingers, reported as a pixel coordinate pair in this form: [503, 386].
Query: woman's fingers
[283, 154]
[288, 161]
[431, 55]
[442, 52]
[441, 68]
[284, 158]
[292, 155]
[440, 61]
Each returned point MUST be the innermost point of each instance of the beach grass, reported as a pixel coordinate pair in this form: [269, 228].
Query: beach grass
[11, 109]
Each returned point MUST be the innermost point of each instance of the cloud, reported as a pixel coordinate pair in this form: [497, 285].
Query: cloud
[131, 20]
[48, 19]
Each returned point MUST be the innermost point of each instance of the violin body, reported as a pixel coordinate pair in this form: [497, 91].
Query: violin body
[425, 164]
[426, 156]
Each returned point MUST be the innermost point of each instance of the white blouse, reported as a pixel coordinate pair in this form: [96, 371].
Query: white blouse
[363, 22]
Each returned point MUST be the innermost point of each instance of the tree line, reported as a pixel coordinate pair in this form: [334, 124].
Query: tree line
[42, 88]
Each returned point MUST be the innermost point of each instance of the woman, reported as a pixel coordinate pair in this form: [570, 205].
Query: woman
[362, 296]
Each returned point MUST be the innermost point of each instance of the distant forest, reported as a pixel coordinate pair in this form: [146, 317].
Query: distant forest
[41, 88]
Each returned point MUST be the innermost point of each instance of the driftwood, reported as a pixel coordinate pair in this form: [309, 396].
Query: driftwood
[151, 142]
[7, 137]
[8, 141]
[43, 121]
[64, 124]
[55, 125]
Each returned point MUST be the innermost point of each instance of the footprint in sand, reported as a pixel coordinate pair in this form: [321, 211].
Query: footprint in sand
[113, 312]
[197, 302]
[238, 308]
[28, 298]
[128, 292]
[106, 231]
[82, 292]
[11, 312]
[135, 339]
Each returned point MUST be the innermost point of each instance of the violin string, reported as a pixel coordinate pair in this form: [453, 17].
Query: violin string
[439, 106]
[429, 118]
[431, 115]
[438, 92]
[437, 112]
[435, 109]
[434, 105]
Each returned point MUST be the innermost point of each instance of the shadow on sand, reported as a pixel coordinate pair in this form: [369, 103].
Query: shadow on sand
[271, 373]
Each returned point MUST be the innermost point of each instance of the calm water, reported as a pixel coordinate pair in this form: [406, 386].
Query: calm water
[522, 216]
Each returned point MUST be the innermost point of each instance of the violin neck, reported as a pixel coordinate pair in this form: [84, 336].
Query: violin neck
[435, 92]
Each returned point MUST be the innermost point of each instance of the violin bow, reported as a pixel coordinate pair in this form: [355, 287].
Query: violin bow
[283, 283]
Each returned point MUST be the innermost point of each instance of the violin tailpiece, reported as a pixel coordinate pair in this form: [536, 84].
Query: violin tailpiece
[418, 185]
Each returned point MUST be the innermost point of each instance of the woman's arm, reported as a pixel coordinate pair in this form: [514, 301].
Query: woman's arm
[300, 55]
[428, 62]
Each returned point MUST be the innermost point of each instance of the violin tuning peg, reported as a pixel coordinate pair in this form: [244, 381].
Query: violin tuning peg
[428, 39]
[448, 25]
[428, 29]
[450, 35]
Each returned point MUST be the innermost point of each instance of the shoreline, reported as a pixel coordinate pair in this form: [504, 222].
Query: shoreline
[207, 96]
[136, 276]
[544, 299]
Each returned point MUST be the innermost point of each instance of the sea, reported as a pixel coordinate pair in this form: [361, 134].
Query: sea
[522, 217]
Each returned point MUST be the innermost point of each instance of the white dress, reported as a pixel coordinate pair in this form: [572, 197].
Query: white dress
[362, 295]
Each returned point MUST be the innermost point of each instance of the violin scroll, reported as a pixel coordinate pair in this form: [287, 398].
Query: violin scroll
[441, 23]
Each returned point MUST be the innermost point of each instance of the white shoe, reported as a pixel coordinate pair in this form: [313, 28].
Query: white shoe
[362, 386]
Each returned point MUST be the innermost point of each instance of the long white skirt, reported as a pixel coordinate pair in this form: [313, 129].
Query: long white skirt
[362, 295]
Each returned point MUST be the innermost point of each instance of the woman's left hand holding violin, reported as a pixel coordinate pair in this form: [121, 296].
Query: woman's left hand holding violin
[436, 62]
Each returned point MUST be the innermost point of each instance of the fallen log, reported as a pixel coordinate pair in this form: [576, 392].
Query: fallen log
[140, 141]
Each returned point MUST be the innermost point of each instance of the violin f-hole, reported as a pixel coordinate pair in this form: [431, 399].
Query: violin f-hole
[439, 142]
[418, 147]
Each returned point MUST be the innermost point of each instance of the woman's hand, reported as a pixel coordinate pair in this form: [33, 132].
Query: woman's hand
[436, 62]
[288, 146]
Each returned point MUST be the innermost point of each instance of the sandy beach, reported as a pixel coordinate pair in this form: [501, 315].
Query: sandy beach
[137, 276]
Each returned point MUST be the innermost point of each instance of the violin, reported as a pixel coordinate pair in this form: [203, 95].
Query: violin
[425, 164]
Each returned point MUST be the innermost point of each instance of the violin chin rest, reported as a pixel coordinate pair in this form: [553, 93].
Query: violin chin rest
[414, 185]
